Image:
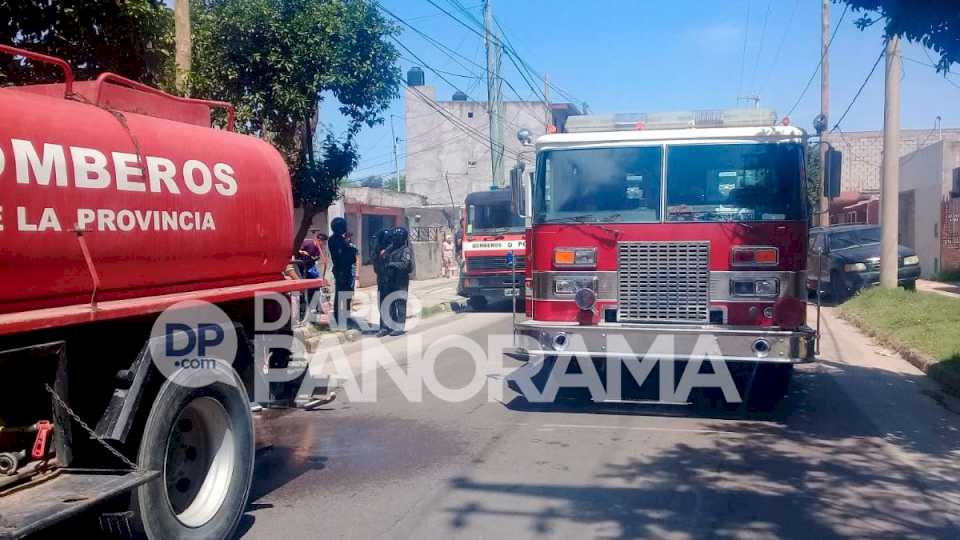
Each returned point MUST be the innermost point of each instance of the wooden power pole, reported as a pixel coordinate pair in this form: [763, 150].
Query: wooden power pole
[494, 97]
[890, 190]
[181, 15]
[823, 212]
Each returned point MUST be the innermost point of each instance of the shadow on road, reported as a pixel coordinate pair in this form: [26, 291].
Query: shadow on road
[818, 467]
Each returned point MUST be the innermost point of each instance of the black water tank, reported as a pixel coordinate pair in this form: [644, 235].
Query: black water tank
[415, 77]
[459, 96]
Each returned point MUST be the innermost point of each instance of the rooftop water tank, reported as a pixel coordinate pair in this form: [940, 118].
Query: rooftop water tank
[415, 77]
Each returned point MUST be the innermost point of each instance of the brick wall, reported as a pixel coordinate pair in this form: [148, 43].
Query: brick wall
[863, 153]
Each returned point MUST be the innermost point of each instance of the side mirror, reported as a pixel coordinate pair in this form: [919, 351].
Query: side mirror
[831, 173]
[517, 191]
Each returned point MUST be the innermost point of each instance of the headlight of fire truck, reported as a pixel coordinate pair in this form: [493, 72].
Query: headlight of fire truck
[766, 287]
[585, 257]
[570, 285]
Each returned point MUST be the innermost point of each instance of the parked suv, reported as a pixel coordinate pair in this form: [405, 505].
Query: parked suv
[846, 258]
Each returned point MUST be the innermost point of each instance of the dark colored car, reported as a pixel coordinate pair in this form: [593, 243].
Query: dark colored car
[846, 258]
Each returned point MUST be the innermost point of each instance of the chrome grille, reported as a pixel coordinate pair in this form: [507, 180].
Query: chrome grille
[494, 262]
[664, 282]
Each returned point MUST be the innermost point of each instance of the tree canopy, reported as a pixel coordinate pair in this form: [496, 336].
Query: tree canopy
[933, 23]
[131, 37]
[275, 59]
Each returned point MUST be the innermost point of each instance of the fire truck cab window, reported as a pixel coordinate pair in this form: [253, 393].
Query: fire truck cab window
[600, 183]
[734, 182]
[493, 218]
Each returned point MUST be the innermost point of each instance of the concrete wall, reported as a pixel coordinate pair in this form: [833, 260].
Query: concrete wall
[927, 174]
[863, 153]
[438, 151]
[427, 256]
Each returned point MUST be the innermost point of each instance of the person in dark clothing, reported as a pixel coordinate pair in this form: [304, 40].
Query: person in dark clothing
[344, 256]
[381, 246]
[399, 265]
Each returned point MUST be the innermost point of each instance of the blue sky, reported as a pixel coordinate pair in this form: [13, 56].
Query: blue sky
[634, 56]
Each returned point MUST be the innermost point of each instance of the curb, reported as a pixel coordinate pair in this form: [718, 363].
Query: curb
[949, 380]
[312, 335]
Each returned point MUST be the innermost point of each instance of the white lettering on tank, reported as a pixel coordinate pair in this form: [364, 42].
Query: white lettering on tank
[185, 224]
[53, 163]
[189, 179]
[49, 221]
[3, 164]
[144, 219]
[1, 217]
[169, 221]
[125, 220]
[208, 224]
[227, 184]
[162, 171]
[89, 168]
[22, 223]
[124, 168]
[85, 216]
[105, 220]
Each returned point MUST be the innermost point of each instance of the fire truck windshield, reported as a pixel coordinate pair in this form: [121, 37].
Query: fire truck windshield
[704, 182]
[735, 182]
[493, 219]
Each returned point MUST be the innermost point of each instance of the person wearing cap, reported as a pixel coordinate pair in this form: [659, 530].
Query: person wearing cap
[399, 265]
[381, 248]
[344, 256]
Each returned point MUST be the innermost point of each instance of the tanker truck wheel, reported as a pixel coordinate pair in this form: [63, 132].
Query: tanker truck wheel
[201, 440]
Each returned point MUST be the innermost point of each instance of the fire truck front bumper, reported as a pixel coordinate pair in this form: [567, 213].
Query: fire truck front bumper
[539, 339]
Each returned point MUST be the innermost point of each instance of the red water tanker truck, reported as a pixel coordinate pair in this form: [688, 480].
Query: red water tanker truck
[121, 205]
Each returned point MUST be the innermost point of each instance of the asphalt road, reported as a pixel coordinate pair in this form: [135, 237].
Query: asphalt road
[864, 446]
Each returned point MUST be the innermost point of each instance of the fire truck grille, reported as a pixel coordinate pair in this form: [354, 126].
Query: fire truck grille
[664, 282]
[496, 262]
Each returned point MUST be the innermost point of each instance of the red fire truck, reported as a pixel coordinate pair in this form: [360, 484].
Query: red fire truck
[121, 206]
[687, 225]
[491, 231]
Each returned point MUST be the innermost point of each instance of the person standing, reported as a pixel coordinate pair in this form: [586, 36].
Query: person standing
[344, 256]
[381, 246]
[447, 256]
[399, 265]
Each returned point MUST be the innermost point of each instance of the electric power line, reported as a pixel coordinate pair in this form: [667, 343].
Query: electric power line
[783, 39]
[743, 57]
[859, 90]
[763, 33]
[825, 52]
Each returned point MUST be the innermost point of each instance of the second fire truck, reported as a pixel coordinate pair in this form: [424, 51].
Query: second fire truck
[491, 234]
[688, 228]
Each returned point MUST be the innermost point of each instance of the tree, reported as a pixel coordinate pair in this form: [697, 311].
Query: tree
[131, 37]
[275, 58]
[934, 23]
[390, 183]
[814, 179]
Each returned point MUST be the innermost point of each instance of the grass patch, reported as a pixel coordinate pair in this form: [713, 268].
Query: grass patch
[926, 322]
[949, 276]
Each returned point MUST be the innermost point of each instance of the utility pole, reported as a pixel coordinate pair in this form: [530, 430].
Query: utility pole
[181, 16]
[494, 98]
[548, 118]
[396, 157]
[890, 190]
[823, 210]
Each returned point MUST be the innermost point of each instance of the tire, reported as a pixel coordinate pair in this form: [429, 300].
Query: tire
[910, 285]
[770, 385]
[838, 291]
[191, 432]
[477, 303]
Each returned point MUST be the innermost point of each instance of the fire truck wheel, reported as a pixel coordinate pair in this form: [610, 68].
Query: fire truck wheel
[201, 441]
[477, 303]
[770, 385]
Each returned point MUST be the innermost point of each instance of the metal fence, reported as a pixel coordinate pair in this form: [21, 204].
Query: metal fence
[427, 234]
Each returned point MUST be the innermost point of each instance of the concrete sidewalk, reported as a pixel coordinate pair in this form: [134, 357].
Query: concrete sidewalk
[427, 297]
[939, 287]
